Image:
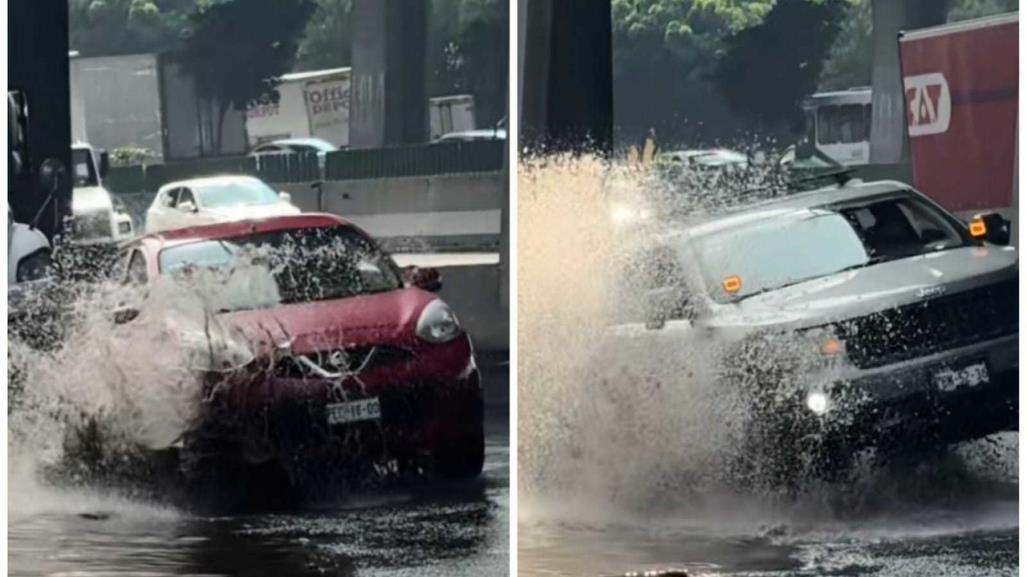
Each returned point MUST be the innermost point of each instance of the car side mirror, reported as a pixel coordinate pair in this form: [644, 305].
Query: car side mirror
[996, 228]
[285, 196]
[187, 206]
[123, 315]
[105, 164]
[427, 279]
[51, 174]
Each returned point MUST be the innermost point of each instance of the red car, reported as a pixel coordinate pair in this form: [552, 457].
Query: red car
[355, 367]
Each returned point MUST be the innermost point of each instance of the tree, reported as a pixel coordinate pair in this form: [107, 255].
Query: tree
[851, 58]
[468, 46]
[236, 50]
[327, 42]
[765, 70]
[110, 27]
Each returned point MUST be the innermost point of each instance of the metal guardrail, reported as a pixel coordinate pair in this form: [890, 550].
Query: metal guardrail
[400, 161]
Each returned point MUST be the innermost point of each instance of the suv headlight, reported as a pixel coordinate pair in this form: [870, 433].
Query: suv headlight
[438, 323]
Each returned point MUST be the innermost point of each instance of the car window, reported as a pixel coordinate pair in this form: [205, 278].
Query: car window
[136, 269]
[843, 124]
[302, 148]
[85, 170]
[168, 198]
[185, 195]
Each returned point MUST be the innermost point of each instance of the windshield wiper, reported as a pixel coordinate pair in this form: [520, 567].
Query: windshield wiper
[870, 262]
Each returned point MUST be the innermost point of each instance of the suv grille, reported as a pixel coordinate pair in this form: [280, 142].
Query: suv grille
[924, 328]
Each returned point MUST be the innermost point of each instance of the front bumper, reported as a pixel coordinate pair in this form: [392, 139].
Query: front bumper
[905, 405]
[430, 404]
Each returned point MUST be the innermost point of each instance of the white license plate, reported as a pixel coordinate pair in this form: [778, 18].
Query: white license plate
[968, 376]
[354, 411]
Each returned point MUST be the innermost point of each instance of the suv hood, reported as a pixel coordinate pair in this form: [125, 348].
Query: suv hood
[376, 319]
[878, 287]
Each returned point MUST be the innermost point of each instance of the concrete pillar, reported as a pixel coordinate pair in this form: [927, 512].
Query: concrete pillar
[888, 143]
[389, 102]
[567, 84]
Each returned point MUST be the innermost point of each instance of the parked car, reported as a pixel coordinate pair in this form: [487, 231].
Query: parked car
[855, 315]
[316, 146]
[215, 199]
[28, 252]
[333, 359]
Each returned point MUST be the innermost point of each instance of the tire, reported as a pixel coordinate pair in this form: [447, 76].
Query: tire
[460, 460]
[34, 267]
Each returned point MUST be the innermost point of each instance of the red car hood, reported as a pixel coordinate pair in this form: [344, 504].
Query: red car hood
[377, 319]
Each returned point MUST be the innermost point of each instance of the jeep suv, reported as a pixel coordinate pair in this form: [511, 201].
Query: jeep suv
[855, 315]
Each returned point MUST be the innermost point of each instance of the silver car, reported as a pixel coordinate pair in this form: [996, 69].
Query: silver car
[855, 315]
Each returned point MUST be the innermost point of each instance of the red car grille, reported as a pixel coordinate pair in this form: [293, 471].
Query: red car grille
[353, 360]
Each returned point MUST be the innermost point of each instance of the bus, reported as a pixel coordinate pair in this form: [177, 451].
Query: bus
[838, 124]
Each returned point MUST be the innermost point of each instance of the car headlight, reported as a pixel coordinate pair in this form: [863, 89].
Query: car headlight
[623, 214]
[438, 323]
[222, 350]
[818, 402]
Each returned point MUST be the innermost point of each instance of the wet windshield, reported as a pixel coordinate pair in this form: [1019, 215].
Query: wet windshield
[235, 193]
[771, 253]
[268, 269]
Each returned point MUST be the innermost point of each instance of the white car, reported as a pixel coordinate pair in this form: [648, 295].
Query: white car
[28, 252]
[215, 199]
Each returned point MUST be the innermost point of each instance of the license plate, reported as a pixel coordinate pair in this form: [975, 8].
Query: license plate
[968, 376]
[354, 411]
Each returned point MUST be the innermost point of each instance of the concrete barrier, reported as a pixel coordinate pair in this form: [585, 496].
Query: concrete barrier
[415, 214]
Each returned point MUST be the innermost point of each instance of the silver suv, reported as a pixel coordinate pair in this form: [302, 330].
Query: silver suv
[854, 315]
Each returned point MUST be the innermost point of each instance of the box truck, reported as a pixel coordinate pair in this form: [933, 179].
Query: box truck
[960, 83]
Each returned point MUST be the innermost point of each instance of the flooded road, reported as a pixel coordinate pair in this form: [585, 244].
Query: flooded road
[441, 530]
[888, 526]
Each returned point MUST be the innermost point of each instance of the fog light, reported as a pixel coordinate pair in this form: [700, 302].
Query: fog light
[817, 402]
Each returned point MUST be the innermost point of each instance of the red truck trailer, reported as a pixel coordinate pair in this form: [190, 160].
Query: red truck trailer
[960, 85]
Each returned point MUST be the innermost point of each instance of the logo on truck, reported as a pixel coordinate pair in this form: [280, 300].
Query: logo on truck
[929, 104]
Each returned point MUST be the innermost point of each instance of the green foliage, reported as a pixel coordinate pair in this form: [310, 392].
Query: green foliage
[327, 40]
[236, 50]
[767, 69]
[967, 9]
[132, 156]
[108, 27]
[468, 54]
[851, 59]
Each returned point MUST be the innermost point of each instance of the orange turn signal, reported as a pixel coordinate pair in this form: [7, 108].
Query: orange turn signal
[732, 284]
[977, 227]
[832, 346]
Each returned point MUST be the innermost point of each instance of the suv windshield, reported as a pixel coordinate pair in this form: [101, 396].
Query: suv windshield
[282, 267]
[235, 193]
[775, 252]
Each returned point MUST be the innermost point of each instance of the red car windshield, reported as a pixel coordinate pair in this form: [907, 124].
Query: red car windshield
[290, 266]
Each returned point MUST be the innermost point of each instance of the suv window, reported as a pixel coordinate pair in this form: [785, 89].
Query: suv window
[901, 227]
